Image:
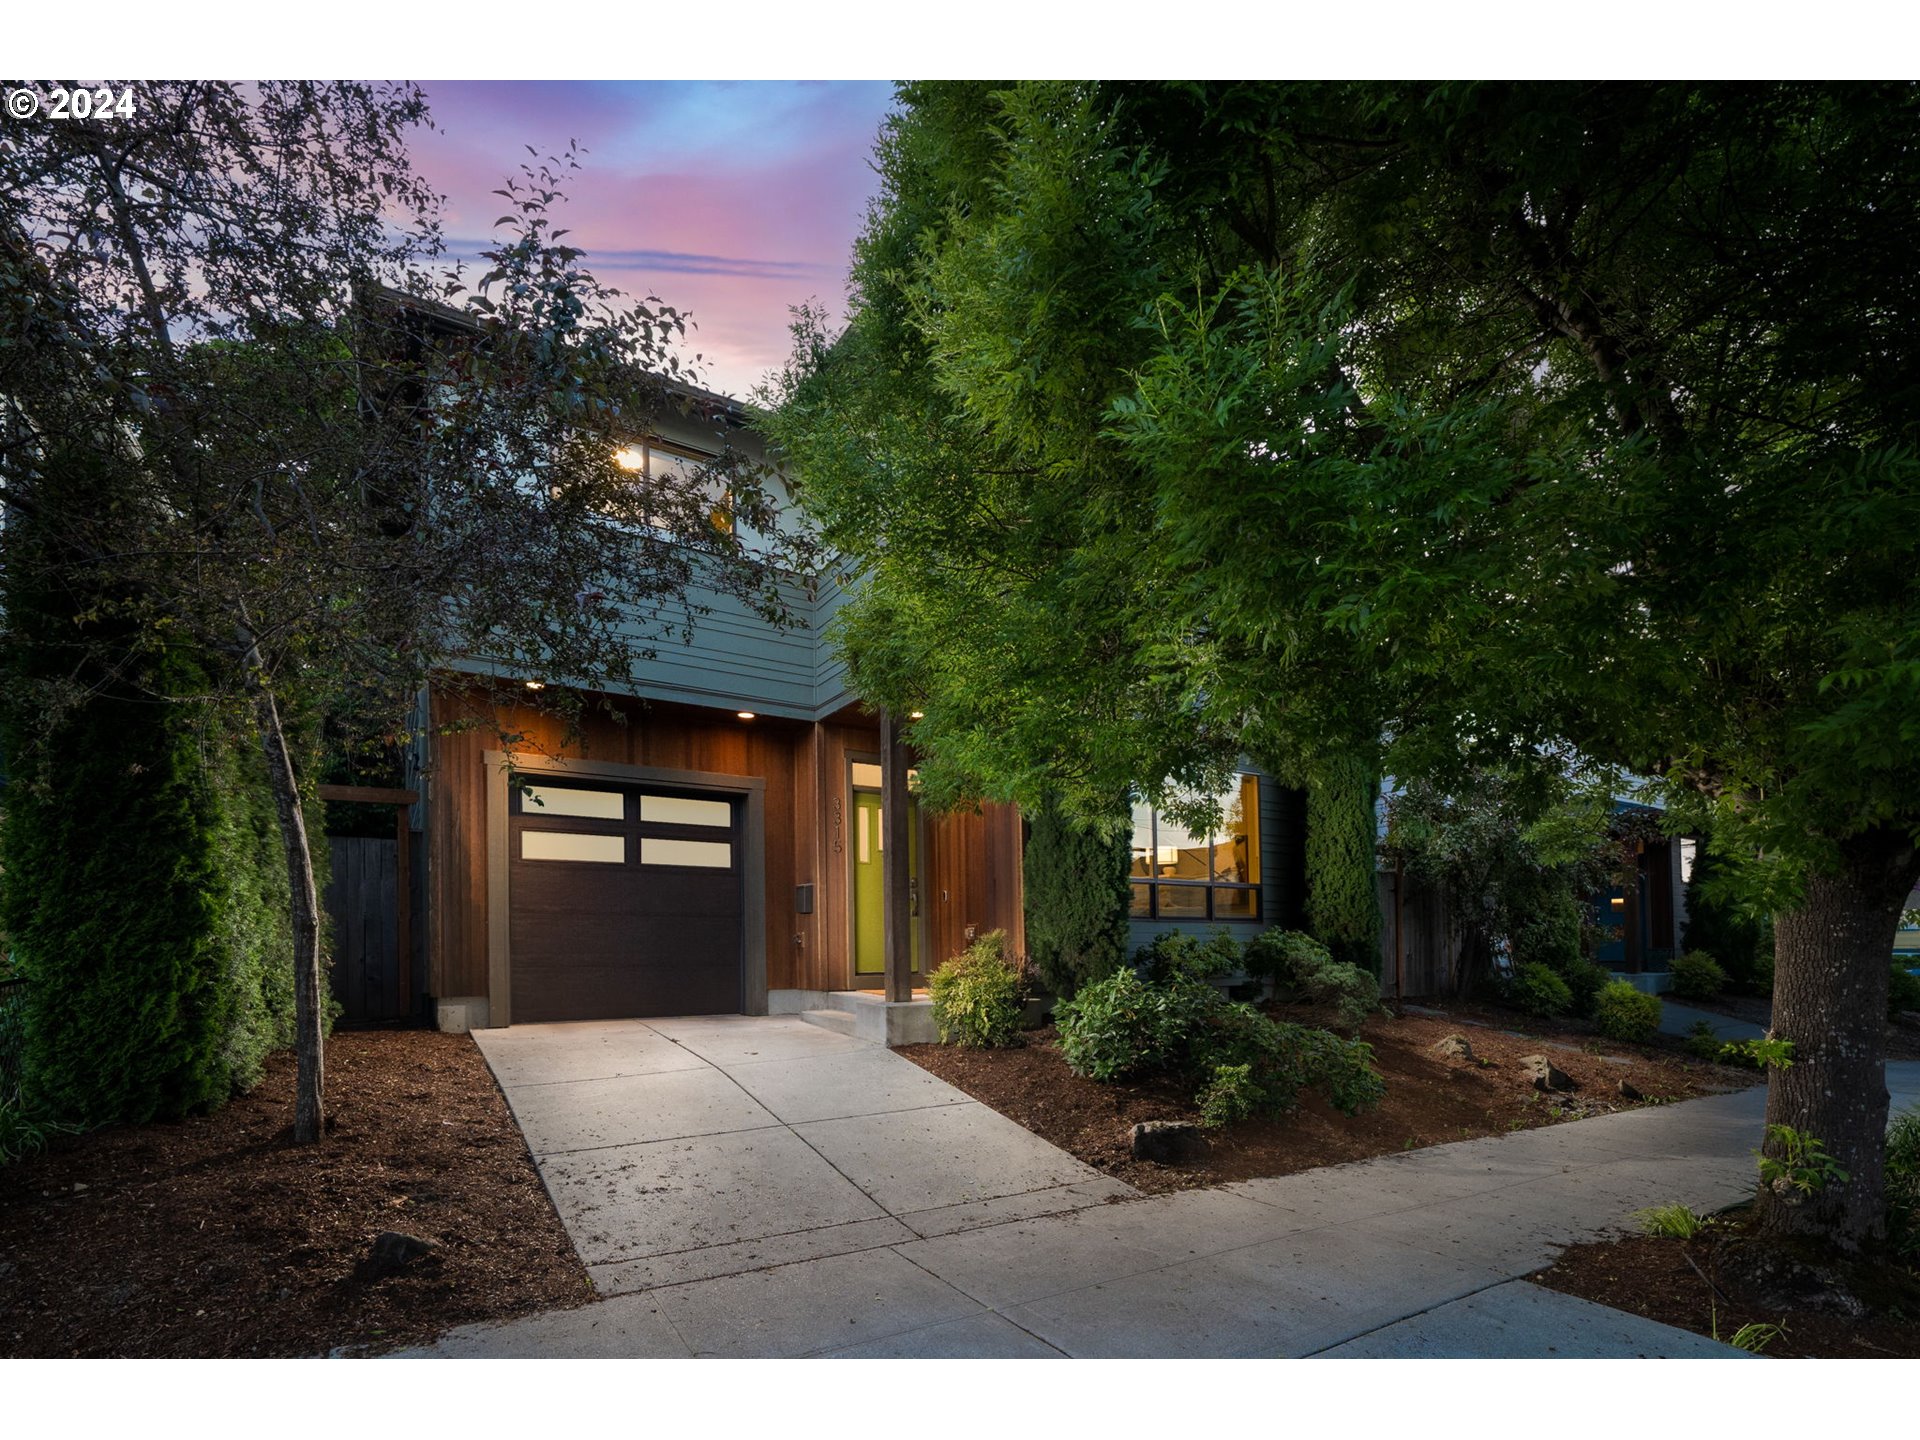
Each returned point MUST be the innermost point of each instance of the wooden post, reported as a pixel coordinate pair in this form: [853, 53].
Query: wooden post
[895, 903]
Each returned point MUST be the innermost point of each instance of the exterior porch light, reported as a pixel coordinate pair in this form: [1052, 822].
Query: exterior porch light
[744, 714]
[632, 459]
[916, 715]
[536, 684]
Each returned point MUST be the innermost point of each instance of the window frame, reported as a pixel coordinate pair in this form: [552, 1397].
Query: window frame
[1153, 884]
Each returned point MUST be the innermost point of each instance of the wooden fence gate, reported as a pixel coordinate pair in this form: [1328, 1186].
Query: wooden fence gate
[363, 902]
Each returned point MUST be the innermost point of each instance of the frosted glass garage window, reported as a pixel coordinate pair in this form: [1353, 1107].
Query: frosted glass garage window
[706, 854]
[569, 845]
[565, 800]
[673, 810]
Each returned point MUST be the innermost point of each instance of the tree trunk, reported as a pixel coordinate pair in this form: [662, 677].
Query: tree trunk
[309, 1012]
[1832, 960]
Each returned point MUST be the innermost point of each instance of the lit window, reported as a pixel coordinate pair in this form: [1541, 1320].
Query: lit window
[660, 461]
[1180, 874]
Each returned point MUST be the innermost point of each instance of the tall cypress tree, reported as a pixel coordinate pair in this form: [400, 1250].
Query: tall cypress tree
[1343, 902]
[1076, 899]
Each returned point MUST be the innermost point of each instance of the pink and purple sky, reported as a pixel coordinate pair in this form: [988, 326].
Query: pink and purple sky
[730, 201]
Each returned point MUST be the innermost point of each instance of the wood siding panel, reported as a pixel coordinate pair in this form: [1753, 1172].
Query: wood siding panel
[970, 868]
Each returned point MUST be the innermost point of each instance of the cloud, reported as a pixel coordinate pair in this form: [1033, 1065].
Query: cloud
[730, 201]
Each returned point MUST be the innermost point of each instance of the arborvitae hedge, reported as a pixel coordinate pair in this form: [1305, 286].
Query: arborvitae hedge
[111, 901]
[142, 889]
[1343, 902]
[1076, 900]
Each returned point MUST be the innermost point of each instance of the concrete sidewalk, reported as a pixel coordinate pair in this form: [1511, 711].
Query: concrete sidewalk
[1414, 1254]
[1678, 1019]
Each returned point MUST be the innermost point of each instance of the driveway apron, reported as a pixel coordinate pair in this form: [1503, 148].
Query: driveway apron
[683, 1149]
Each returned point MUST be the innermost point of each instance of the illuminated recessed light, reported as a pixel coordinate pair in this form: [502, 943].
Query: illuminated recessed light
[536, 684]
[744, 714]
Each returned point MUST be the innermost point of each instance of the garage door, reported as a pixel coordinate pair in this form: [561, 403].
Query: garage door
[623, 901]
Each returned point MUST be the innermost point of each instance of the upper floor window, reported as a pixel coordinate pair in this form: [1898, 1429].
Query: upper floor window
[1182, 874]
[659, 460]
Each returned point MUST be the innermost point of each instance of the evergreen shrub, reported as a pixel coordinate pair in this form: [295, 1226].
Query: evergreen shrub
[1301, 965]
[1343, 898]
[1697, 976]
[1126, 1026]
[980, 996]
[1537, 990]
[1624, 1013]
[1076, 898]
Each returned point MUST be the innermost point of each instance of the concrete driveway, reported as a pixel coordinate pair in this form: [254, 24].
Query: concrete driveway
[677, 1150]
[1419, 1254]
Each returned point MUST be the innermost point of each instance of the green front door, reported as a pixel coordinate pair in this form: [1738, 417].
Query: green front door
[869, 845]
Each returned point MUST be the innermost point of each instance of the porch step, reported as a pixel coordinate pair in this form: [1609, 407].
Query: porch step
[841, 1022]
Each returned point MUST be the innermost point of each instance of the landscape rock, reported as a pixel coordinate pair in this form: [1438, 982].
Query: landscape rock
[392, 1252]
[1628, 1092]
[1455, 1047]
[1544, 1074]
[1169, 1142]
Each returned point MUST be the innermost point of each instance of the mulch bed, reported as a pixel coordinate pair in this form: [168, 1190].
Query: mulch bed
[1430, 1100]
[217, 1236]
[1724, 1278]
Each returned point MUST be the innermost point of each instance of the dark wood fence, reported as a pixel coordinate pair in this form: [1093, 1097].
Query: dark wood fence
[1426, 950]
[363, 902]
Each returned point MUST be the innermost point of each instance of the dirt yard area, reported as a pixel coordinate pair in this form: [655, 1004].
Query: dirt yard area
[1430, 1099]
[1723, 1279]
[217, 1236]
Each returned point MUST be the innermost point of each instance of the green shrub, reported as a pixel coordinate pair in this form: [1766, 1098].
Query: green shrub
[1302, 966]
[1903, 991]
[1076, 895]
[980, 996]
[1697, 976]
[1702, 1043]
[1280, 955]
[1179, 952]
[1125, 1026]
[1547, 927]
[1585, 980]
[1538, 991]
[1624, 1013]
[1903, 1181]
[1343, 903]
[1229, 1096]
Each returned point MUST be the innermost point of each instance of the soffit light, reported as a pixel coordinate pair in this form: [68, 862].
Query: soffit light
[536, 684]
[744, 714]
